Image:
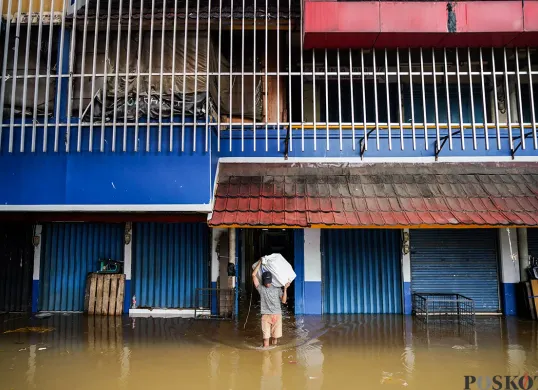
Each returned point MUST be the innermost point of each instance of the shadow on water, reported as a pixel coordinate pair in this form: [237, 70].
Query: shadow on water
[67, 351]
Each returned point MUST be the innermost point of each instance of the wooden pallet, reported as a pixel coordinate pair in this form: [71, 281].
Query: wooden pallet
[104, 294]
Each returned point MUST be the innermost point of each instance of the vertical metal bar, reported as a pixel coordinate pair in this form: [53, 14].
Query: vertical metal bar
[339, 97]
[389, 121]
[494, 77]
[116, 78]
[462, 130]
[243, 77]
[266, 70]
[127, 77]
[412, 99]
[4, 67]
[278, 73]
[314, 97]
[70, 95]
[448, 110]
[208, 55]
[231, 74]
[94, 66]
[484, 106]
[254, 69]
[105, 76]
[435, 98]
[289, 77]
[376, 101]
[326, 102]
[473, 119]
[60, 79]
[37, 78]
[400, 108]
[363, 92]
[219, 99]
[185, 49]
[150, 75]
[25, 81]
[47, 82]
[507, 100]
[14, 76]
[531, 88]
[302, 80]
[81, 109]
[520, 105]
[161, 80]
[424, 113]
[196, 42]
[138, 71]
[352, 98]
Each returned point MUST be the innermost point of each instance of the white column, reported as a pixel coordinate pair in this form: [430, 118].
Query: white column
[523, 249]
[37, 267]
[509, 260]
[127, 265]
[312, 271]
[406, 271]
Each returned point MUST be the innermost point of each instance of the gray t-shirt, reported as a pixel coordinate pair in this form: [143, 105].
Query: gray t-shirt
[270, 298]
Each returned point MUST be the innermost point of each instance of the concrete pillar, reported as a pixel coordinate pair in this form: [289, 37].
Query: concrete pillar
[509, 261]
[216, 234]
[406, 272]
[37, 267]
[127, 265]
[523, 251]
[312, 271]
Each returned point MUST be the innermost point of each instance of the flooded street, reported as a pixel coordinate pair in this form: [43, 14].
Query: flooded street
[73, 351]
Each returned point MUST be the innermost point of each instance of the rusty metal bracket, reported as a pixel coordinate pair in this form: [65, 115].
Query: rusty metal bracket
[363, 144]
[512, 150]
[443, 140]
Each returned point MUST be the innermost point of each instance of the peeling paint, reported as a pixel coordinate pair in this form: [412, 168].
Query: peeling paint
[451, 22]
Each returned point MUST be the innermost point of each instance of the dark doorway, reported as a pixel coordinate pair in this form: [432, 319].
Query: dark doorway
[16, 267]
[262, 242]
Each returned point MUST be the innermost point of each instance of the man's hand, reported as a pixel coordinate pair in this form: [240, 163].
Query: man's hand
[287, 285]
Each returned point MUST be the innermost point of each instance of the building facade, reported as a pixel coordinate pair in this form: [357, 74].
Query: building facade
[384, 148]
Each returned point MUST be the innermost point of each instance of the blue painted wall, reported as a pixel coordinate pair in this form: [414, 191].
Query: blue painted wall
[298, 261]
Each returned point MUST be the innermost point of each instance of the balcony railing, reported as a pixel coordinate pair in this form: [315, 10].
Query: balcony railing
[162, 75]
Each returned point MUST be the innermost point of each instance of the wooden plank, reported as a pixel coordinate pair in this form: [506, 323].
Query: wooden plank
[113, 295]
[121, 292]
[93, 292]
[87, 293]
[106, 292]
[99, 296]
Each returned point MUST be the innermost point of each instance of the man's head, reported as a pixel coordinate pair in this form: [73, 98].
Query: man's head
[267, 278]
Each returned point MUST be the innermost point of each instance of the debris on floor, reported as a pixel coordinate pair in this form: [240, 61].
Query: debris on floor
[30, 329]
[43, 315]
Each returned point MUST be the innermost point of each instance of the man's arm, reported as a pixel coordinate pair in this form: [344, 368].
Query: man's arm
[285, 295]
[255, 274]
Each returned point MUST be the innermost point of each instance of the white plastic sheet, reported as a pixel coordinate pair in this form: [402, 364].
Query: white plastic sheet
[280, 268]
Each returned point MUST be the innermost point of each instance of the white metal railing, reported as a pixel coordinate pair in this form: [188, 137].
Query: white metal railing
[113, 72]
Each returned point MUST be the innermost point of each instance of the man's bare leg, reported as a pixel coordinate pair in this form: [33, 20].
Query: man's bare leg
[265, 343]
[274, 341]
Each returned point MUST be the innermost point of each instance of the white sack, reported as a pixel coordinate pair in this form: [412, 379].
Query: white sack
[278, 266]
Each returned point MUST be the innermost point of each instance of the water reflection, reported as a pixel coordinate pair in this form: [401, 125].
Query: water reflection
[366, 351]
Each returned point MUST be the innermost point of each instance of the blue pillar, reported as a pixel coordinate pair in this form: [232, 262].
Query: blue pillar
[298, 262]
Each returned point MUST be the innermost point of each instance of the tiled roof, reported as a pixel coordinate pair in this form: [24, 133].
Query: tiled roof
[390, 195]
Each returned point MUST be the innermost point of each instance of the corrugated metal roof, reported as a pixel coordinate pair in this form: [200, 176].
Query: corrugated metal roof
[440, 194]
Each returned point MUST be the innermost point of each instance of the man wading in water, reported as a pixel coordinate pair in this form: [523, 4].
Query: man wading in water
[270, 298]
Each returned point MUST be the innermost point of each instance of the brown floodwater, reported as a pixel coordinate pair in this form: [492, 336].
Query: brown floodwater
[73, 351]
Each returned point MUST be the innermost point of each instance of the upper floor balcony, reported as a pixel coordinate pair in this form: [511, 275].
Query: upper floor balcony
[380, 24]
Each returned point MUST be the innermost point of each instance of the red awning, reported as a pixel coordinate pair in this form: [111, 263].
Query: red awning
[376, 195]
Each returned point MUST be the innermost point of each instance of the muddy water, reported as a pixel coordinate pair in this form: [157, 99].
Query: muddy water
[333, 352]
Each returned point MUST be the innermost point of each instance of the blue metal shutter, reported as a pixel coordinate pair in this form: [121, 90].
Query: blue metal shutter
[532, 240]
[69, 252]
[170, 261]
[462, 261]
[361, 271]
